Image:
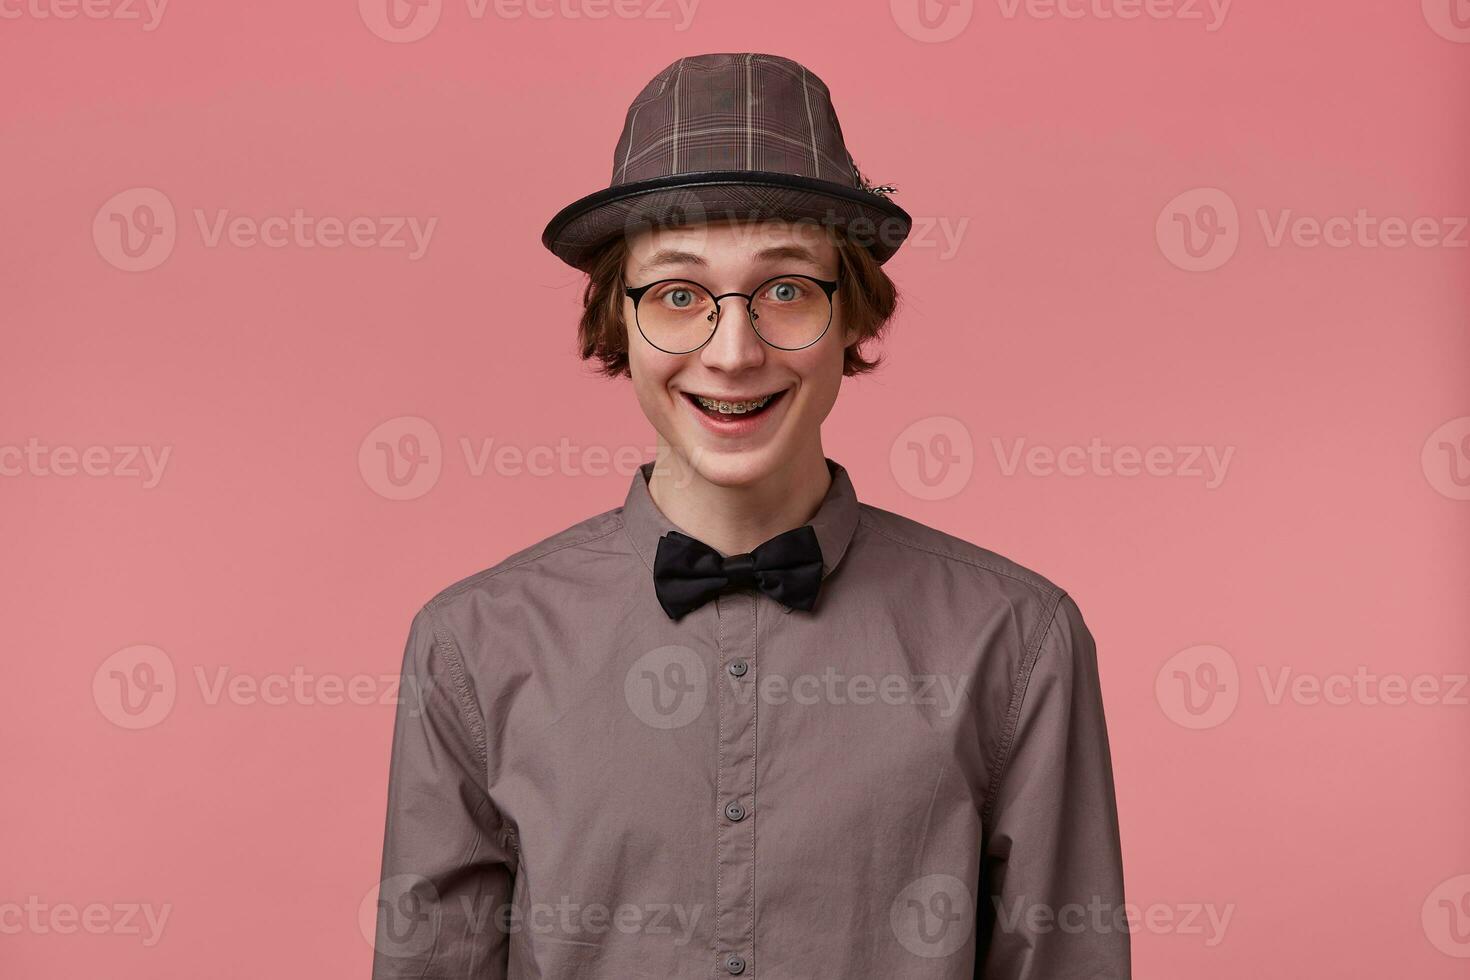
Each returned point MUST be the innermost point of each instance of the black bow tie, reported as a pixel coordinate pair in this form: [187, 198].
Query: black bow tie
[688, 573]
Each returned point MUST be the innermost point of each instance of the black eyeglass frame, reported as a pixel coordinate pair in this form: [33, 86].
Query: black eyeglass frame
[829, 286]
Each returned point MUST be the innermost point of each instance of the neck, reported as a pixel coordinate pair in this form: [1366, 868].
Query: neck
[734, 520]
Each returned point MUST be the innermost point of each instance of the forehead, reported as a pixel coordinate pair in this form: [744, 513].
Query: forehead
[732, 245]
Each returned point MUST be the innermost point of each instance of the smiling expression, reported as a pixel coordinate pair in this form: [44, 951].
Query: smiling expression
[736, 410]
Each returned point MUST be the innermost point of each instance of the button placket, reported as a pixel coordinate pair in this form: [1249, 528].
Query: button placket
[734, 918]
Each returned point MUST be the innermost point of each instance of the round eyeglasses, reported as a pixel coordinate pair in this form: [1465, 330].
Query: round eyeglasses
[679, 316]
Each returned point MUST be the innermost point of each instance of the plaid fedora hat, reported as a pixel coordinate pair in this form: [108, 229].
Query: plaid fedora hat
[717, 136]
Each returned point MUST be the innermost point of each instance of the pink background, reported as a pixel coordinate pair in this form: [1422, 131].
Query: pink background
[1332, 834]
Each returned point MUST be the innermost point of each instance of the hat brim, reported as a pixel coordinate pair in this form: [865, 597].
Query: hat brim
[581, 228]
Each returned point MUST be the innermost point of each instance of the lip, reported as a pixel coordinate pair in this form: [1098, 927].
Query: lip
[736, 425]
[733, 398]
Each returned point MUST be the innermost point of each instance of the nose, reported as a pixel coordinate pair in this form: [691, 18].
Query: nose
[735, 345]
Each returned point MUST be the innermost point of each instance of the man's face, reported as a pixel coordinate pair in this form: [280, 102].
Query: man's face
[735, 365]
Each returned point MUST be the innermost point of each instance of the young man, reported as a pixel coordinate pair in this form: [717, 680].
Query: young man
[745, 725]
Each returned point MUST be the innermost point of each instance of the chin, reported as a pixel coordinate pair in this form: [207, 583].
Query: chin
[732, 467]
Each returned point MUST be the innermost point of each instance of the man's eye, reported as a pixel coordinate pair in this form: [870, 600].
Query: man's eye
[784, 292]
[680, 298]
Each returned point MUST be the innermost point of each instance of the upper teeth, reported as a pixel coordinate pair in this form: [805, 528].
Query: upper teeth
[733, 408]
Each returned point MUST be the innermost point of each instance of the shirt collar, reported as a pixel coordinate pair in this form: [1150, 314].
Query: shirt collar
[834, 521]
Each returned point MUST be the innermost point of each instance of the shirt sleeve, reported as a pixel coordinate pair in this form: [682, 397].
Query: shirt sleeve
[447, 869]
[1051, 882]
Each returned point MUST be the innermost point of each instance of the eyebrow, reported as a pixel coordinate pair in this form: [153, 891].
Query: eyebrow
[674, 256]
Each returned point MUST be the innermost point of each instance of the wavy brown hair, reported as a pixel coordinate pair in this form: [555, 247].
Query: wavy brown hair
[866, 298]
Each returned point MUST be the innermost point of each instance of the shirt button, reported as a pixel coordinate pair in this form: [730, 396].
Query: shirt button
[739, 667]
[734, 964]
[735, 811]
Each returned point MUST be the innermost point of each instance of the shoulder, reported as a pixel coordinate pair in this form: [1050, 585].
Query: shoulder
[565, 553]
[926, 548]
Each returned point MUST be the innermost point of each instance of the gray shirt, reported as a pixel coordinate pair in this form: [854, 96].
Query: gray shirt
[911, 780]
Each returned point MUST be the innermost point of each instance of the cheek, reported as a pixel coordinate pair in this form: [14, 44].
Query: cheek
[651, 371]
[821, 375]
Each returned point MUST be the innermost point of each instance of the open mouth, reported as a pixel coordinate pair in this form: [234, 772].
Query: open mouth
[717, 408]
